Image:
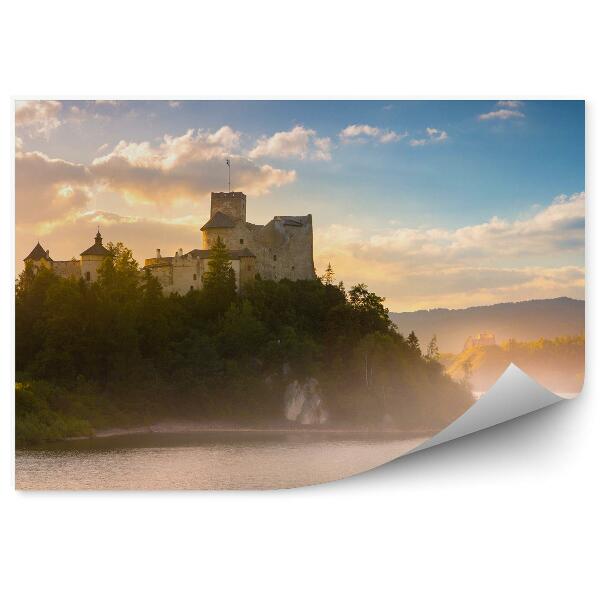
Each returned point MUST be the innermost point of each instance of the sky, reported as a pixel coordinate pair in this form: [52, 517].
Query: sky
[430, 203]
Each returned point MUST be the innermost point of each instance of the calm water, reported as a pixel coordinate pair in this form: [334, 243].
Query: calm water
[249, 460]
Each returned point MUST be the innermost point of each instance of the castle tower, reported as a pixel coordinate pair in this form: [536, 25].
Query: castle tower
[39, 257]
[232, 204]
[92, 258]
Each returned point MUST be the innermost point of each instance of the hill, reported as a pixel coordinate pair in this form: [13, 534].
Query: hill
[118, 352]
[528, 320]
[557, 364]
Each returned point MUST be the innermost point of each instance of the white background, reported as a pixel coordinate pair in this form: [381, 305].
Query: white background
[506, 513]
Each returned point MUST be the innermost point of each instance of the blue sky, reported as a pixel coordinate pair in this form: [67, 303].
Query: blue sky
[489, 193]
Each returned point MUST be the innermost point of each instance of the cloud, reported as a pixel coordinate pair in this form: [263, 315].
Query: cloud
[506, 109]
[174, 103]
[502, 114]
[433, 136]
[49, 189]
[38, 117]
[510, 103]
[497, 260]
[183, 168]
[299, 142]
[364, 132]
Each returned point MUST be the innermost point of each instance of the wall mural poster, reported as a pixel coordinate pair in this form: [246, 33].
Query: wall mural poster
[271, 294]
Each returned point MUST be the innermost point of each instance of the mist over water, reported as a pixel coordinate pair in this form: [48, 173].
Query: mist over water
[248, 460]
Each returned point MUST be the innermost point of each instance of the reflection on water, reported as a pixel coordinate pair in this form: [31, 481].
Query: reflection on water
[208, 460]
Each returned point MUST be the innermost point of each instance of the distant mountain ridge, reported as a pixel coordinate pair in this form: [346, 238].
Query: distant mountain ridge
[524, 321]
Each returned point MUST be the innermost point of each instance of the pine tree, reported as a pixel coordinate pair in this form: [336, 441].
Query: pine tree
[328, 277]
[219, 281]
[413, 342]
[433, 351]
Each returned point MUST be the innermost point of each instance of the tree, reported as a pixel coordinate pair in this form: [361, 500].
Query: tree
[119, 273]
[433, 351]
[328, 277]
[373, 315]
[413, 343]
[219, 281]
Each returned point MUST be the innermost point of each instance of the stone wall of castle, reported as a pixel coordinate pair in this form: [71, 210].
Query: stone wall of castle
[67, 268]
[283, 248]
[182, 273]
[229, 203]
[90, 266]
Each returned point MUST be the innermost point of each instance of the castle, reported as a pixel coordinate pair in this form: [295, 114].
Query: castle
[483, 339]
[281, 249]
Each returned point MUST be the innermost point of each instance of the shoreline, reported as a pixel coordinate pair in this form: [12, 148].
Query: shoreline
[186, 427]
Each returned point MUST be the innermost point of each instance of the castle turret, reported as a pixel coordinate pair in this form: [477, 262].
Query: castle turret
[39, 257]
[92, 258]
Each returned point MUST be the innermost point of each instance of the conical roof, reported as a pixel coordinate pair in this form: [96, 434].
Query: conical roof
[37, 253]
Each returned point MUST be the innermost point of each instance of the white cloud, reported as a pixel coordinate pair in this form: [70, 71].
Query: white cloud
[183, 168]
[510, 103]
[364, 132]
[433, 136]
[299, 142]
[502, 114]
[174, 103]
[497, 260]
[38, 117]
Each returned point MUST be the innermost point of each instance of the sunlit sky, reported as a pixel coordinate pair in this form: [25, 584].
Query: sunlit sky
[431, 203]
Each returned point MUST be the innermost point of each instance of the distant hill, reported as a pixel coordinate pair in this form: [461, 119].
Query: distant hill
[528, 320]
[557, 364]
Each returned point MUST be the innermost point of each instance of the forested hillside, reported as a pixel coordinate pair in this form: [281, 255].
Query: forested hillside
[557, 364]
[118, 352]
[526, 321]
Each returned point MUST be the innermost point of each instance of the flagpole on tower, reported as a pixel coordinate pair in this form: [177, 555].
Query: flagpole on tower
[229, 173]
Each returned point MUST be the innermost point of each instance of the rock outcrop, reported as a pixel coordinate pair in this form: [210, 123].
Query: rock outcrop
[304, 404]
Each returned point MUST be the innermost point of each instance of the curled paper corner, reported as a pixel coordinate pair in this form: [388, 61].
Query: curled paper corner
[513, 395]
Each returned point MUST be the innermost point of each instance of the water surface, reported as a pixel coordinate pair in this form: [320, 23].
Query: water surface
[207, 460]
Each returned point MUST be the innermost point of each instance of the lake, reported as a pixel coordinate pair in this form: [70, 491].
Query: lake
[206, 460]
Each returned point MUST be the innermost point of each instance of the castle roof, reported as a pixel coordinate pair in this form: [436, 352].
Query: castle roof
[218, 220]
[97, 249]
[233, 254]
[37, 253]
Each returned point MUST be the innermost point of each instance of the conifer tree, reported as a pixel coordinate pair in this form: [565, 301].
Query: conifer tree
[413, 342]
[328, 277]
[433, 351]
[219, 280]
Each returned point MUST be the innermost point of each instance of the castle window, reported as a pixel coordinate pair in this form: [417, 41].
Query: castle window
[195, 277]
[274, 256]
[87, 275]
[241, 241]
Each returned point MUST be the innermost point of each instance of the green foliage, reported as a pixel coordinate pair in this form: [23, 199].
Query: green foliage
[219, 281]
[38, 421]
[118, 351]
